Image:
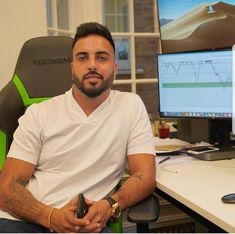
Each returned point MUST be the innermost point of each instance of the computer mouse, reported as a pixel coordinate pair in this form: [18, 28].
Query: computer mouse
[229, 198]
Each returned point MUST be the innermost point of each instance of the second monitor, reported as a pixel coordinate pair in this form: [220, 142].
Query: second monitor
[196, 87]
[196, 84]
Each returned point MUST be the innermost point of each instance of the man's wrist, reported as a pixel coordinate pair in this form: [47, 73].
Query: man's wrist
[115, 208]
[49, 219]
[43, 217]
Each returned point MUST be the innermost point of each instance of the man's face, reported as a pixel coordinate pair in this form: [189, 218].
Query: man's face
[93, 65]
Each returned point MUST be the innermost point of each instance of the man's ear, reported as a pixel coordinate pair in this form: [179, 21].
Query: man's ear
[71, 65]
[115, 71]
[72, 70]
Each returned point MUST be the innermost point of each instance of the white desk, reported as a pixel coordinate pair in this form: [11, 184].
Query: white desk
[199, 185]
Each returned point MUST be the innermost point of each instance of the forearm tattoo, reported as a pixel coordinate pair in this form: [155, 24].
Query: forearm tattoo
[138, 176]
[129, 187]
[20, 202]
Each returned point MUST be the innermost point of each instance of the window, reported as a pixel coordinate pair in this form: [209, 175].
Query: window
[139, 38]
[116, 15]
[134, 27]
[58, 17]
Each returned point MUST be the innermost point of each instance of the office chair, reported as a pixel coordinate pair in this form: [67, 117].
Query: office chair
[42, 71]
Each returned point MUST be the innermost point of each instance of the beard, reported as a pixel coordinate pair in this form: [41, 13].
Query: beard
[93, 91]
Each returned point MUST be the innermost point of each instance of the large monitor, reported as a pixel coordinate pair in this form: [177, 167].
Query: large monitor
[189, 25]
[198, 86]
[195, 84]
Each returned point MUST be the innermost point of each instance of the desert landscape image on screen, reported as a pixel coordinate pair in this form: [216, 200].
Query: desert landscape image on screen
[207, 25]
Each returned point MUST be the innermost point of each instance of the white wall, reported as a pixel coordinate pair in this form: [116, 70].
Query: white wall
[19, 21]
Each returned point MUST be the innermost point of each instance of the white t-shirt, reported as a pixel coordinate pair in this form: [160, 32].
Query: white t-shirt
[74, 153]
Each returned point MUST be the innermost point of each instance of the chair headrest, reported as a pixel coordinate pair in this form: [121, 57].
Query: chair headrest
[43, 66]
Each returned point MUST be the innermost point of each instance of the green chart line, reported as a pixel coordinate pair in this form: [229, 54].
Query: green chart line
[197, 85]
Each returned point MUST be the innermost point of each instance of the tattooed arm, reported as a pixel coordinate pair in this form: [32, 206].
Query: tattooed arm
[140, 184]
[15, 198]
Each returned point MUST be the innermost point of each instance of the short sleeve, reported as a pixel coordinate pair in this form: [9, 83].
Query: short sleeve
[141, 136]
[26, 143]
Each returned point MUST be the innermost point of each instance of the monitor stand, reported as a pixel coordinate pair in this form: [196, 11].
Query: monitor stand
[219, 131]
[193, 130]
[214, 131]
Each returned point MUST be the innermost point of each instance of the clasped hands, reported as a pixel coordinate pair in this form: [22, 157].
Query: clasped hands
[65, 220]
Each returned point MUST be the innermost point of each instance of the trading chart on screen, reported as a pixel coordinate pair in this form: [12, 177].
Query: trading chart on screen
[196, 83]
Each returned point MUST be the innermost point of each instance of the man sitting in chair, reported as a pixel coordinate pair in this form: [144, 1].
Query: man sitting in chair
[78, 142]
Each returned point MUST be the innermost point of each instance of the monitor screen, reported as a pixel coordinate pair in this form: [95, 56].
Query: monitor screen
[195, 84]
[189, 25]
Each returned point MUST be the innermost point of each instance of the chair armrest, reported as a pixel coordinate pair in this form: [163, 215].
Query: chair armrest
[146, 211]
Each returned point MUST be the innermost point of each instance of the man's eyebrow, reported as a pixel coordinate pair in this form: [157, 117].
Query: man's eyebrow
[102, 52]
[97, 53]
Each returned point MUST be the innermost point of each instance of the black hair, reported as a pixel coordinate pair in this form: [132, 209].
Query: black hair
[93, 28]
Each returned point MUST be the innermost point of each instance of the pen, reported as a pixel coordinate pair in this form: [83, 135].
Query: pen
[163, 160]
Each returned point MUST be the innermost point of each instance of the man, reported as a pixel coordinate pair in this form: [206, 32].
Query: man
[79, 142]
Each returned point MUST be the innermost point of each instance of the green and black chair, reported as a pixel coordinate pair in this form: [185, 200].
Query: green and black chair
[43, 71]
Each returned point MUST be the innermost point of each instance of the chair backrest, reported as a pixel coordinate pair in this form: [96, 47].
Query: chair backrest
[42, 71]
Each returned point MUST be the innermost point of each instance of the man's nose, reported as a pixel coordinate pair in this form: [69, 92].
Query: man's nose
[92, 65]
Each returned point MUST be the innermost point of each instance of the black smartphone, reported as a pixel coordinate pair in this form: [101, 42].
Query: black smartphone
[229, 198]
[82, 207]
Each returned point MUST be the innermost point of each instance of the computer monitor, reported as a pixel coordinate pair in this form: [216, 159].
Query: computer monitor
[189, 25]
[195, 84]
[196, 87]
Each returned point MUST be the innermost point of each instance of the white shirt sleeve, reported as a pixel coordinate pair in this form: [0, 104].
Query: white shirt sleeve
[26, 143]
[141, 136]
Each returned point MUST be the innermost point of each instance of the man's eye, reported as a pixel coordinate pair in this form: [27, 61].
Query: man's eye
[102, 58]
[81, 58]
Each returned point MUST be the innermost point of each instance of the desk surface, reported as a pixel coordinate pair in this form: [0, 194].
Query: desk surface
[200, 185]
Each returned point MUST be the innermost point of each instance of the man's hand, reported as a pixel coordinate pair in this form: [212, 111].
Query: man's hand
[65, 220]
[98, 214]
